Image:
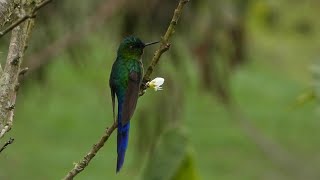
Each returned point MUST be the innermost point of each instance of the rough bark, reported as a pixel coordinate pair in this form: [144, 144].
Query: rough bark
[9, 78]
[6, 11]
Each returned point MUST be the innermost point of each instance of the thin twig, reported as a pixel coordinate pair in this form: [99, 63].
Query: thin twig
[10, 141]
[105, 11]
[163, 47]
[87, 158]
[25, 17]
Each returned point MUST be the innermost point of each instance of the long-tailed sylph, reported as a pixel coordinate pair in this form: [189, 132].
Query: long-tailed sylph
[125, 80]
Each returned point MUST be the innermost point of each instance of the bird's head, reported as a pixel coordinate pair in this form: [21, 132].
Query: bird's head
[132, 47]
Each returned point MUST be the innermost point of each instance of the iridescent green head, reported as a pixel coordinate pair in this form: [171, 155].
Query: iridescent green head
[132, 47]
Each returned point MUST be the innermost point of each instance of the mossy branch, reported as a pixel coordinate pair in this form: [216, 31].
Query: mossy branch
[9, 84]
[6, 11]
[164, 46]
[24, 17]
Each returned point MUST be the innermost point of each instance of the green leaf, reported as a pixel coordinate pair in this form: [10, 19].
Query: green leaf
[170, 158]
[187, 170]
[316, 76]
[303, 98]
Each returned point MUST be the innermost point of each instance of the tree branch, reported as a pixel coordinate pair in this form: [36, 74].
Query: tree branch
[163, 47]
[87, 158]
[9, 78]
[25, 17]
[10, 141]
[6, 11]
[105, 11]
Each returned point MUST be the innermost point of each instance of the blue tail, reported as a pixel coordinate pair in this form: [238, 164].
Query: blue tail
[122, 138]
[122, 143]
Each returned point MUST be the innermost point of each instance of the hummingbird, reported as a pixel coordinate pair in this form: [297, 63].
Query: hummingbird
[125, 80]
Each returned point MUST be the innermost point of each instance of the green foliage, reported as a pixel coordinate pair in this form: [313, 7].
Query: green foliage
[58, 119]
[171, 158]
[316, 78]
[304, 97]
[187, 170]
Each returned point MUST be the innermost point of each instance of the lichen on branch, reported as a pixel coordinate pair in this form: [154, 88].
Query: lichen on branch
[9, 84]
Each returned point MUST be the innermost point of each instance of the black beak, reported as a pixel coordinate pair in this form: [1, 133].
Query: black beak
[151, 43]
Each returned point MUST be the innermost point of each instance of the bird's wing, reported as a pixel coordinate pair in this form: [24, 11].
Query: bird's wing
[131, 96]
[113, 93]
[113, 102]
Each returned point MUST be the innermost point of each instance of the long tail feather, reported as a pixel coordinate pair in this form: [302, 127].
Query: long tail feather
[122, 144]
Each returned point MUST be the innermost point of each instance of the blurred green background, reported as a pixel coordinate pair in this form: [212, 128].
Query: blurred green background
[229, 108]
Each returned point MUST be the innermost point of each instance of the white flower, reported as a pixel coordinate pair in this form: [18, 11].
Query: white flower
[156, 83]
